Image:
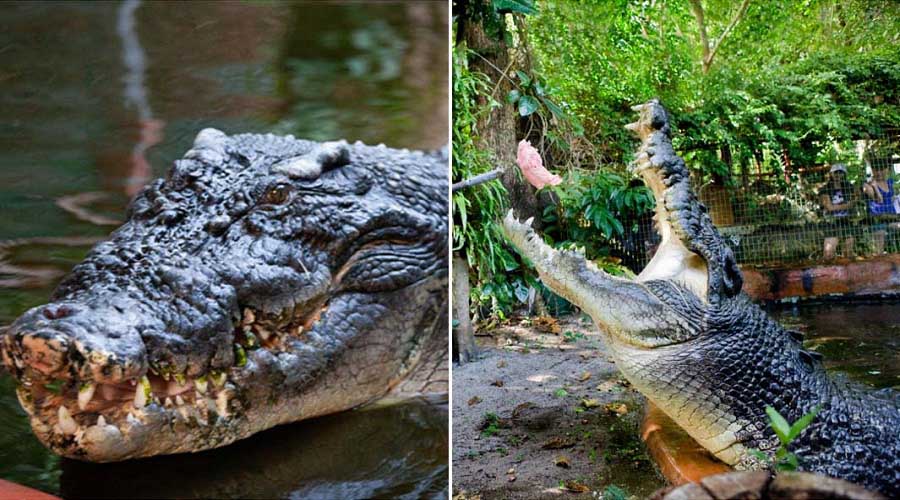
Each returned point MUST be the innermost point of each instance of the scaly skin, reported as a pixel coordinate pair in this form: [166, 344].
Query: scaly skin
[686, 336]
[265, 280]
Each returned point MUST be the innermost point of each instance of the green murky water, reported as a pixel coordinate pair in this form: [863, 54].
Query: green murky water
[100, 98]
[859, 340]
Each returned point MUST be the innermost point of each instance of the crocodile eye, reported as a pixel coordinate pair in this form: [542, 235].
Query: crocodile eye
[277, 195]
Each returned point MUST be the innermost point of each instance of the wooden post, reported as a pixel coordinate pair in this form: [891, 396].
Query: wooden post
[464, 349]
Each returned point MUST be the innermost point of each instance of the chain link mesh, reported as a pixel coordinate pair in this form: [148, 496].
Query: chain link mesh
[774, 213]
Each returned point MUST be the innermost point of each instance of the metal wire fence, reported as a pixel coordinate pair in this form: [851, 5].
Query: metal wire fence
[774, 213]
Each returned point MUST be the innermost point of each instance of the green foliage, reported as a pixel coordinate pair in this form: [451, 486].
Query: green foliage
[592, 209]
[532, 94]
[570, 336]
[832, 73]
[491, 425]
[514, 6]
[786, 433]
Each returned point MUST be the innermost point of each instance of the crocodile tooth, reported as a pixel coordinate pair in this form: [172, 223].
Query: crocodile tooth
[249, 317]
[168, 402]
[263, 333]
[67, 424]
[101, 422]
[85, 394]
[200, 384]
[529, 221]
[222, 404]
[219, 379]
[142, 393]
[179, 400]
[132, 420]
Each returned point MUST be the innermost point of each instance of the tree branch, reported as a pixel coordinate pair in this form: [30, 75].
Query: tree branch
[709, 51]
[697, 10]
[737, 18]
[478, 179]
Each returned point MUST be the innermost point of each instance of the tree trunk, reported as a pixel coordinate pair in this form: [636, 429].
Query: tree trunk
[498, 129]
[464, 349]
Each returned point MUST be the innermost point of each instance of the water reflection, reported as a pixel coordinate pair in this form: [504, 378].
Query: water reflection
[393, 452]
[98, 97]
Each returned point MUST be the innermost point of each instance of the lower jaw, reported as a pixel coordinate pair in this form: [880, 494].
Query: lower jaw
[156, 430]
[691, 414]
[153, 430]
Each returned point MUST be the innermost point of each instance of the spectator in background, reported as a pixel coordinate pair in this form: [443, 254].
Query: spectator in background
[836, 198]
[881, 201]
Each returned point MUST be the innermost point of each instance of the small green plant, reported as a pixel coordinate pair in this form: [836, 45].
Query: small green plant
[492, 424]
[561, 393]
[572, 336]
[786, 432]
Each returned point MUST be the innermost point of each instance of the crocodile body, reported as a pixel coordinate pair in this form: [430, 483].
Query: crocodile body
[692, 342]
[265, 280]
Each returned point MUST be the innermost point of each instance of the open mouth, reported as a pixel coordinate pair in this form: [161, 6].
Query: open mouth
[71, 404]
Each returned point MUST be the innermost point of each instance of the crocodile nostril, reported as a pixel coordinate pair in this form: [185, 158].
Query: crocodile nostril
[44, 351]
[58, 312]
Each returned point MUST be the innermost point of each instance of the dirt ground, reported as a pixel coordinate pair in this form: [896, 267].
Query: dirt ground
[545, 413]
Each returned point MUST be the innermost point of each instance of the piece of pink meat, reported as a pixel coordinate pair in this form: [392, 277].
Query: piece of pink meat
[532, 167]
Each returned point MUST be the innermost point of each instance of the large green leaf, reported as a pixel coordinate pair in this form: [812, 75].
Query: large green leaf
[556, 110]
[523, 77]
[781, 426]
[527, 105]
[802, 423]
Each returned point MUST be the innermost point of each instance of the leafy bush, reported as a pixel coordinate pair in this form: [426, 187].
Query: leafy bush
[592, 212]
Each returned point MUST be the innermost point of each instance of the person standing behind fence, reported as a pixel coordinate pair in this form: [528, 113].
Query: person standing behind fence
[881, 201]
[836, 198]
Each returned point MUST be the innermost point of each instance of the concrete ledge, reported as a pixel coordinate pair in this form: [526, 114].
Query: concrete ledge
[872, 277]
[680, 459]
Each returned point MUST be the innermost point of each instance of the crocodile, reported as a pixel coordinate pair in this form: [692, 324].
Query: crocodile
[687, 337]
[264, 280]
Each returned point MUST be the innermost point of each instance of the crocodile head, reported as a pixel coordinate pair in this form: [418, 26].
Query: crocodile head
[265, 280]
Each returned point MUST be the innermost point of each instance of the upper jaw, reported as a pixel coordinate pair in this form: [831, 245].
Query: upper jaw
[692, 251]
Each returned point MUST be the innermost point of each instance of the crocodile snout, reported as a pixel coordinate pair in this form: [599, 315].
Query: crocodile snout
[75, 341]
